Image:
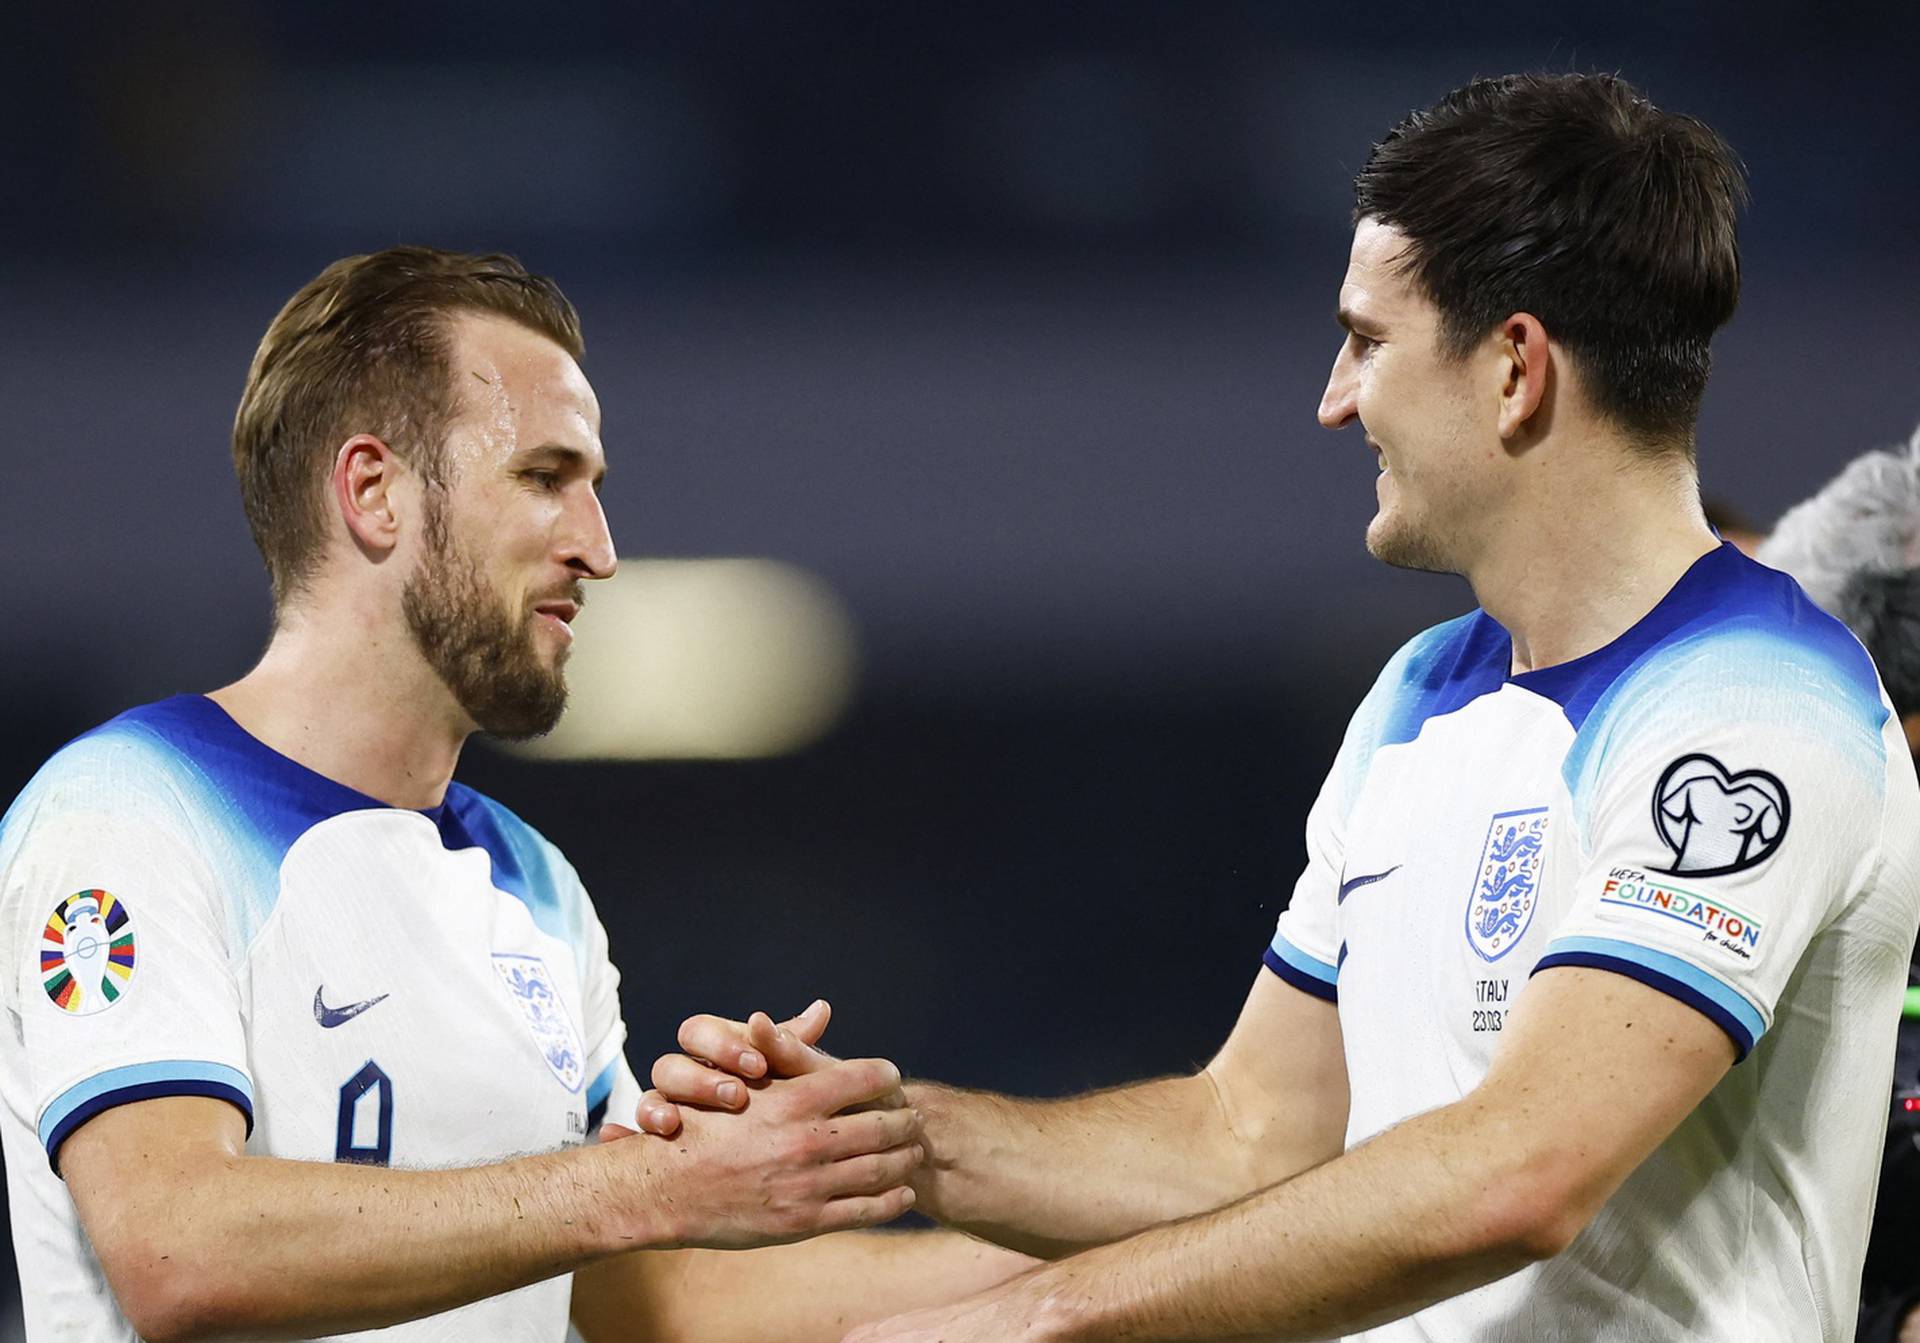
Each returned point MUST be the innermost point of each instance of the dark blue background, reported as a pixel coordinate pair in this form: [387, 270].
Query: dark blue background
[1007, 320]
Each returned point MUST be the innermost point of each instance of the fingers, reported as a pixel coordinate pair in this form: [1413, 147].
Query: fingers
[845, 1083]
[786, 1051]
[811, 1024]
[869, 1131]
[688, 1081]
[874, 1173]
[847, 1214]
[722, 1043]
[657, 1116]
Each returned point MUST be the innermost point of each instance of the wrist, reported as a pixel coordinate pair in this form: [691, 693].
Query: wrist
[935, 1180]
[634, 1186]
[1061, 1306]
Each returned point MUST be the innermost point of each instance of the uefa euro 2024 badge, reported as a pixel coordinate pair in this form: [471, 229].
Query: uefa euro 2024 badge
[86, 953]
[531, 984]
[1507, 888]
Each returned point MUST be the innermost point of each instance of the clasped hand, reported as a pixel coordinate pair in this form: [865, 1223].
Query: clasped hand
[826, 1146]
[724, 1061]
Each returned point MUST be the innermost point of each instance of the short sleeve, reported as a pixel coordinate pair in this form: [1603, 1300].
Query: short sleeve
[612, 1091]
[119, 968]
[1306, 940]
[1434, 672]
[1727, 816]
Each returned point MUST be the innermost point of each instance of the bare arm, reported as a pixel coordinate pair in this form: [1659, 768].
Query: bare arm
[1049, 1177]
[1448, 1201]
[199, 1239]
[816, 1290]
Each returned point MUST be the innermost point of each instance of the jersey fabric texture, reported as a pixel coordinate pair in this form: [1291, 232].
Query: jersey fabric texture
[186, 912]
[1718, 804]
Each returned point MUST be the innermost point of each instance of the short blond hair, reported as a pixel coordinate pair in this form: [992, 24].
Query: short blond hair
[364, 348]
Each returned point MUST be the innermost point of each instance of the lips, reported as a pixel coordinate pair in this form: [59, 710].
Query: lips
[563, 611]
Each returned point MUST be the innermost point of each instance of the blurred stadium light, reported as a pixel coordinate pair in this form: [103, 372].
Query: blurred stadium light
[719, 659]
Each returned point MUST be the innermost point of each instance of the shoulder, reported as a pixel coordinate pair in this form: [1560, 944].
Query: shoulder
[132, 767]
[526, 864]
[1439, 670]
[1752, 649]
[1746, 662]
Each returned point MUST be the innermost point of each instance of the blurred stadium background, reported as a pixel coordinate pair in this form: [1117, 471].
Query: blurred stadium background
[991, 332]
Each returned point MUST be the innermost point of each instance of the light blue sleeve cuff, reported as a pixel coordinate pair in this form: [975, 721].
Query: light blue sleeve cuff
[1308, 973]
[1725, 1005]
[138, 1082]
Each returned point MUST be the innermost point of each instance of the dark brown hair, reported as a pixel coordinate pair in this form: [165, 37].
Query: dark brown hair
[1573, 198]
[364, 348]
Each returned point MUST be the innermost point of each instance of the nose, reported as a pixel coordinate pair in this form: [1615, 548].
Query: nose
[587, 542]
[1340, 402]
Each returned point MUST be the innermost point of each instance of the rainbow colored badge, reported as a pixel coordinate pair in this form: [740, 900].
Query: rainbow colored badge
[86, 953]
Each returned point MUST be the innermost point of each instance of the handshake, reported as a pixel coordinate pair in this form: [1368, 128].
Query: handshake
[752, 1136]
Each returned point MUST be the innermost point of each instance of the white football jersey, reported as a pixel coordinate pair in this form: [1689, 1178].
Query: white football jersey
[184, 911]
[1719, 804]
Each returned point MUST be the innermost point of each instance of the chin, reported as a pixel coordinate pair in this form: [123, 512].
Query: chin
[1391, 540]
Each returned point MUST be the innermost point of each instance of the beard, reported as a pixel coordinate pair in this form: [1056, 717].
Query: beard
[1407, 545]
[483, 652]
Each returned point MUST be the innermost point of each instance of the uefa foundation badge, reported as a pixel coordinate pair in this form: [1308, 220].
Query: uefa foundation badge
[86, 953]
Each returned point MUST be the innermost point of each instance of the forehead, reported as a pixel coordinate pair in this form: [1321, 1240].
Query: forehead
[519, 388]
[1375, 286]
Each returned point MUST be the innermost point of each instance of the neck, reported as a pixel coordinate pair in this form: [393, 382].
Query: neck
[350, 698]
[1568, 581]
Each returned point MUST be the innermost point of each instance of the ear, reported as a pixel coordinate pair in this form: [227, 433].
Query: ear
[365, 472]
[1523, 348]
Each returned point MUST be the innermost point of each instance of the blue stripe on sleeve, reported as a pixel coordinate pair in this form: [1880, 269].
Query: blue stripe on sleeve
[138, 1082]
[597, 1092]
[1725, 1005]
[1301, 970]
[598, 1088]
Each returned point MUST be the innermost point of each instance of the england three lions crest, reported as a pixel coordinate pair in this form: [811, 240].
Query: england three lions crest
[1506, 890]
[531, 985]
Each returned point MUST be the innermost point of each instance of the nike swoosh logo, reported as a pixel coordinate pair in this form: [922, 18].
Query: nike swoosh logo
[339, 1016]
[1348, 887]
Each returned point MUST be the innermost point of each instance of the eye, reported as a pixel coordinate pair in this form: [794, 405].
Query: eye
[541, 478]
[1364, 344]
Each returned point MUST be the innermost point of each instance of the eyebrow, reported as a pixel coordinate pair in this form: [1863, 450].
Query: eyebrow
[1353, 321]
[571, 457]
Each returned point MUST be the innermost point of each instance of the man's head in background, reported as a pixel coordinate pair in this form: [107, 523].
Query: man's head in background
[1855, 548]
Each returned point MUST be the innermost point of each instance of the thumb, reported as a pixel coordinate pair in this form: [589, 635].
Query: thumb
[811, 1024]
[786, 1053]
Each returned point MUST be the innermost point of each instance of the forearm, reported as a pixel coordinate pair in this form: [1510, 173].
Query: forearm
[815, 1290]
[292, 1248]
[1052, 1177]
[1409, 1219]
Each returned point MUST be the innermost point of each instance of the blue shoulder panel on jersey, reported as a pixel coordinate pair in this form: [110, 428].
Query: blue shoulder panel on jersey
[1442, 670]
[525, 865]
[1436, 672]
[228, 774]
[279, 798]
[1722, 588]
[1729, 624]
